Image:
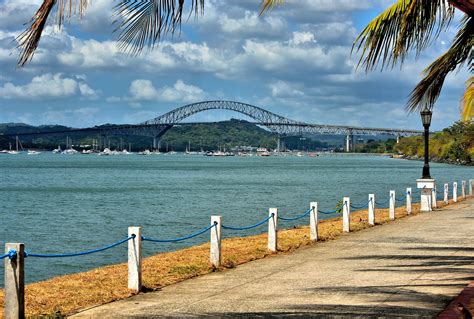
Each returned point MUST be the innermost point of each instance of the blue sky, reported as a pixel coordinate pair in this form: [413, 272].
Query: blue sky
[295, 61]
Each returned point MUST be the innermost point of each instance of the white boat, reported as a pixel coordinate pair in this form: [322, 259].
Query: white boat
[58, 150]
[31, 152]
[15, 152]
[87, 151]
[299, 154]
[106, 152]
[69, 151]
[145, 152]
[125, 152]
[261, 151]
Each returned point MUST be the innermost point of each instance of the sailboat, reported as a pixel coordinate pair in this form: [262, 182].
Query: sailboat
[17, 151]
[188, 150]
[57, 150]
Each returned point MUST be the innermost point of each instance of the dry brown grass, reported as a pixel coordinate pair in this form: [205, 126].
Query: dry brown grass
[70, 293]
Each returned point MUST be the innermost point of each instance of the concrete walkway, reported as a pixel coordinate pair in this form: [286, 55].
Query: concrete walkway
[412, 267]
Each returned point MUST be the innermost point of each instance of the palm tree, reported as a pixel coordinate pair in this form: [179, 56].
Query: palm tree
[408, 25]
[411, 25]
[467, 102]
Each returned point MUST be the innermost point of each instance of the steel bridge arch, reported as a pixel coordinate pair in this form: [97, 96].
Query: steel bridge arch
[266, 118]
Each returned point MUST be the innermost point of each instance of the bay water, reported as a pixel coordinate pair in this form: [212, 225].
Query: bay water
[70, 203]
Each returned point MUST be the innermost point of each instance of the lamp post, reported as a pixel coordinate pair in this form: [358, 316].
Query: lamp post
[426, 115]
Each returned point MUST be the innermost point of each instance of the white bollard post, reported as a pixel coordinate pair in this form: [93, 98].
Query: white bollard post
[409, 200]
[216, 232]
[463, 189]
[135, 259]
[372, 209]
[434, 198]
[313, 221]
[346, 215]
[273, 230]
[455, 192]
[471, 186]
[15, 282]
[446, 193]
[392, 205]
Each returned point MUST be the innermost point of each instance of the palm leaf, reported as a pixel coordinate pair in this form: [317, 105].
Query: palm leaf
[269, 4]
[427, 91]
[142, 23]
[29, 39]
[467, 102]
[405, 26]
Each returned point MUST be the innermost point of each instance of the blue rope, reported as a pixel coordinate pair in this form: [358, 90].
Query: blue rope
[400, 199]
[328, 213]
[297, 217]
[360, 206]
[383, 203]
[180, 238]
[251, 226]
[11, 254]
[27, 254]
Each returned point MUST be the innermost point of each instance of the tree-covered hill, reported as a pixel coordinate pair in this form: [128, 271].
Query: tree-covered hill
[454, 144]
[209, 136]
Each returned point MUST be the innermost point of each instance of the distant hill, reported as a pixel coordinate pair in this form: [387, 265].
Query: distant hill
[226, 134]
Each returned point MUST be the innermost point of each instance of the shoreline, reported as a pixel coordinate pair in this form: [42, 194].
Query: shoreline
[434, 160]
[107, 284]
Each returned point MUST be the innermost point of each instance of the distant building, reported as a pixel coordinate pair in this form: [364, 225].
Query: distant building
[467, 102]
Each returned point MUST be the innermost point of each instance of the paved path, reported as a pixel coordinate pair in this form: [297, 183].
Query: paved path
[409, 268]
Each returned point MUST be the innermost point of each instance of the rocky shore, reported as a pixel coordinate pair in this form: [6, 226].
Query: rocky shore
[435, 160]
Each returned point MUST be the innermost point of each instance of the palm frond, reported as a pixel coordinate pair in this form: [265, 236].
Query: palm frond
[269, 4]
[142, 23]
[29, 39]
[467, 102]
[407, 25]
[427, 91]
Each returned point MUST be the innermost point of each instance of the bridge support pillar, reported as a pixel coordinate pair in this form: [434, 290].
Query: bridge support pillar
[280, 144]
[349, 142]
[156, 143]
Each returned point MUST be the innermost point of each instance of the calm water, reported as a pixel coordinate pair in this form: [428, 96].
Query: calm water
[60, 203]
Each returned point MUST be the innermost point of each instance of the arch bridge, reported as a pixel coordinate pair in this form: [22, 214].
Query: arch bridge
[275, 123]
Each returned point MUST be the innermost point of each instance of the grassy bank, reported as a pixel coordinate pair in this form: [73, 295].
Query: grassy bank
[70, 293]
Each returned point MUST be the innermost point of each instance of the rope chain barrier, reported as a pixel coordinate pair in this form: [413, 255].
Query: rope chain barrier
[400, 199]
[11, 254]
[360, 206]
[384, 202]
[27, 254]
[328, 213]
[297, 217]
[249, 227]
[175, 240]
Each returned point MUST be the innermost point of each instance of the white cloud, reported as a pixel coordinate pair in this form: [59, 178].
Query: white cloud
[302, 37]
[143, 90]
[282, 89]
[48, 86]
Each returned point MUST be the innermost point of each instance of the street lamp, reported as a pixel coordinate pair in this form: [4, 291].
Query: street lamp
[426, 120]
